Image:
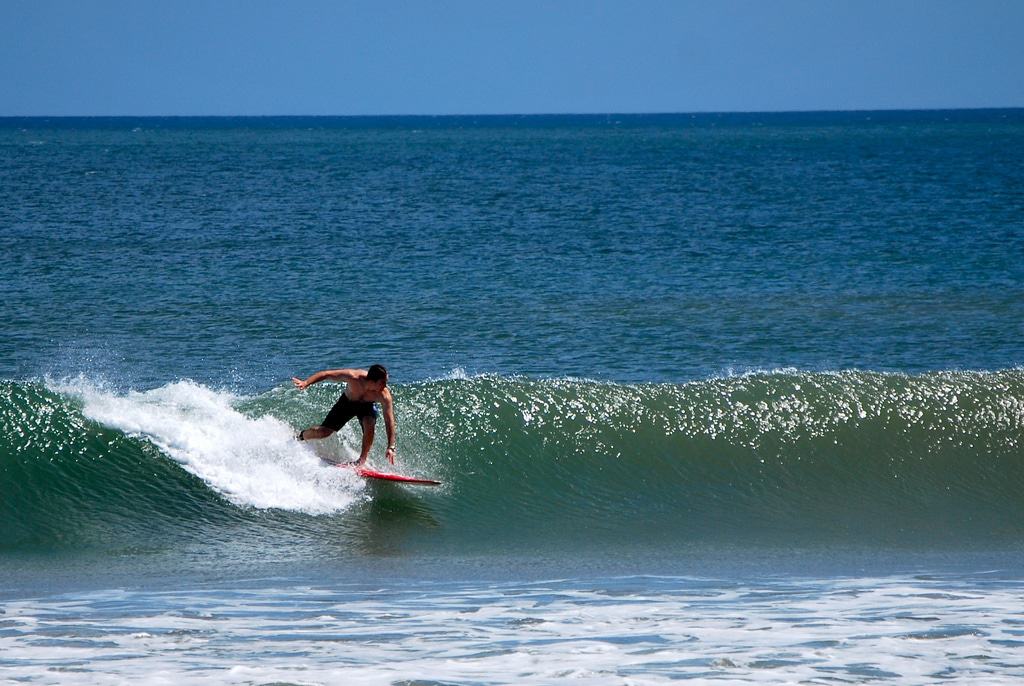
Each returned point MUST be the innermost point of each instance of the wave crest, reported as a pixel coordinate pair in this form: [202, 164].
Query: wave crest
[783, 456]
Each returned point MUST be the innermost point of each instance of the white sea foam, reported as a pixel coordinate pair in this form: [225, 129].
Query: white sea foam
[254, 462]
[640, 631]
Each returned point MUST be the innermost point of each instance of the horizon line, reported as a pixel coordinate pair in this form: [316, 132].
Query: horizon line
[517, 114]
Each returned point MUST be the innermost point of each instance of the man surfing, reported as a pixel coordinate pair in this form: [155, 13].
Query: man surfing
[365, 387]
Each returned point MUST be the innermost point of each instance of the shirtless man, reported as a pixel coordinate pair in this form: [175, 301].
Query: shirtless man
[365, 387]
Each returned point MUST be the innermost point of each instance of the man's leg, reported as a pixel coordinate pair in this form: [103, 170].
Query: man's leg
[335, 419]
[369, 425]
[315, 432]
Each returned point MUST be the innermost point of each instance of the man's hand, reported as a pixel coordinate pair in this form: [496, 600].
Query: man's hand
[391, 454]
[299, 383]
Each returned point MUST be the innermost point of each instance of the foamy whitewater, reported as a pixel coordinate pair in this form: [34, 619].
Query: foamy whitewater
[254, 462]
[624, 631]
[737, 399]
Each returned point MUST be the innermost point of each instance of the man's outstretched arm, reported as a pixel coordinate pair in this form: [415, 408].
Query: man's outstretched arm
[345, 375]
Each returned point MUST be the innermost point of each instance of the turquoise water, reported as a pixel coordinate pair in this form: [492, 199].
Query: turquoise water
[671, 369]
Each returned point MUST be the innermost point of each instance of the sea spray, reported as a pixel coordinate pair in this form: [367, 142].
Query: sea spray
[252, 461]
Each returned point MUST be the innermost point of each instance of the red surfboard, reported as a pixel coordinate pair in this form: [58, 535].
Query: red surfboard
[373, 474]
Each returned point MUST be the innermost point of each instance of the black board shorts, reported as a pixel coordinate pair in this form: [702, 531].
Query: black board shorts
[346, 409]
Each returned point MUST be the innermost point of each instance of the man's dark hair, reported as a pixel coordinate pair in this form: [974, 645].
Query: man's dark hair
[377, 373]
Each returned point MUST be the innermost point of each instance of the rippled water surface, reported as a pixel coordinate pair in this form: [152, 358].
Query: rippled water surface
[723, 398]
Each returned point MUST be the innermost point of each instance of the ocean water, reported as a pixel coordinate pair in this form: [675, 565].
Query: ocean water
[718, 398]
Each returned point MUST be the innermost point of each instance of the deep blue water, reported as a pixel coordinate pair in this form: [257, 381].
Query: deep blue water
[632, 248]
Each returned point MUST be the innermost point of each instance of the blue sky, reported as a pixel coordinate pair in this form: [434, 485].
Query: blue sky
[254, 57]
